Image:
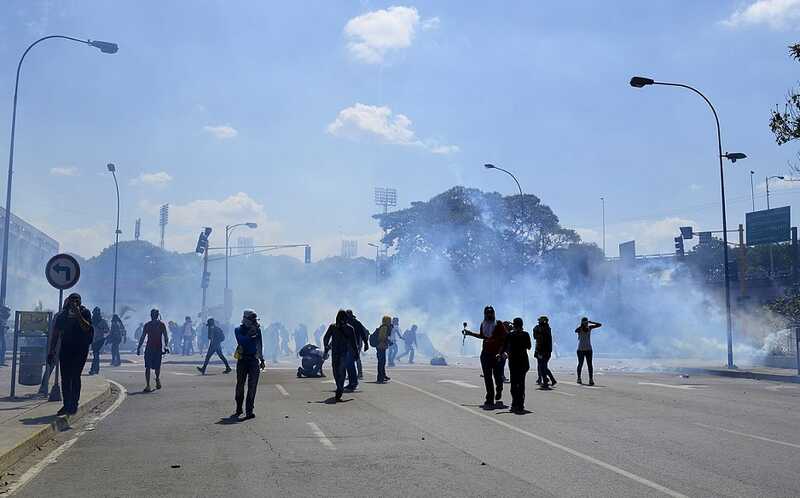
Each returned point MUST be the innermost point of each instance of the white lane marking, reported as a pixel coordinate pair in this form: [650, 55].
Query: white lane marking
[590, 459]
[53, 456]
[671, 386]
[321, 436]
[181, 373]
[779, 387]
[282, 390]
[561, 392]
[753, 436]
[329, 382]
[459, 383]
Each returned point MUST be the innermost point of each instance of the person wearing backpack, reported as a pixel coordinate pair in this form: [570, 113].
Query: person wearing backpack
[381, 340]
[215, 338]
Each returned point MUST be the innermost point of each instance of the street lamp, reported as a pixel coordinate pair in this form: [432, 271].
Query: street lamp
[603, 209]
[752, 190]
[521, 195]
[113, 170]
[105, 47]
[640, 82]
[228, 230]
[767, 182]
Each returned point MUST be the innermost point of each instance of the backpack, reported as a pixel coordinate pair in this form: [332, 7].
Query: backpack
[374, 338]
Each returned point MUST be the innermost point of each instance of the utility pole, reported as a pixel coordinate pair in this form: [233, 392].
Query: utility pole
[752, 190]
[163, 220]
[603, 202]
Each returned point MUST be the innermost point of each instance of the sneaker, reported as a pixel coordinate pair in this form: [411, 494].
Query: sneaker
[158, 384]
[338, 396]
[553, 383]
[147, 389]
[250, 416]
[227, 370]
[579, 381]
[544, 387]
[201, 370]
[387, 378]
[591, 382]
[61, 412]
[487, 405]
[349, 389]
[237, 413]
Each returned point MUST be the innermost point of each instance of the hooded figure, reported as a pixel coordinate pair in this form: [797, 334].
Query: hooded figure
[382, 341]
[544, 349]
[249, 363]
[101, 332]
[340, 340]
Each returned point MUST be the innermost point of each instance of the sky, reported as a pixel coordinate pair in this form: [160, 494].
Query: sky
[289, 114]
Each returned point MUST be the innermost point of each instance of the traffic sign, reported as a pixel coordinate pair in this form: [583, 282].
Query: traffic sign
[62, 271]
[768, 226]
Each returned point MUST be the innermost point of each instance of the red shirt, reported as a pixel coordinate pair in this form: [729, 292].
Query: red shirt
[154, 330]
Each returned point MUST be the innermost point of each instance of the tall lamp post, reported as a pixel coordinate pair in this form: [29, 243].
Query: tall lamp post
[640, 82]
[773, 177]
[113, 170]
[106, 48]
[228, 230]
[603, 209]
[752, 190]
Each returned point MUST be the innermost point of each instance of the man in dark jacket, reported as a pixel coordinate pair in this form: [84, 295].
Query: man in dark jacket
[72, 335]
[118, 335]
[354, 369]
[493, 334]
[340, 340]
[215, 339]
[544, 349]
[515, 349]
[101, 332]
[250, 362]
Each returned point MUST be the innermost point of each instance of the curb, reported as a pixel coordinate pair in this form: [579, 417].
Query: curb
[44, 434]
[741, 374]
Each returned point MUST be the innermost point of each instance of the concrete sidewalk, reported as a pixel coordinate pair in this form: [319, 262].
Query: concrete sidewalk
[29, 420]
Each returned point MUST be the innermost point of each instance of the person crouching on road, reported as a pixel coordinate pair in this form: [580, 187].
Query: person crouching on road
[544, 349]
[493, 334]
[340, 340]
[74, 332]
[157, 344]
[515, 349]
[249, 363]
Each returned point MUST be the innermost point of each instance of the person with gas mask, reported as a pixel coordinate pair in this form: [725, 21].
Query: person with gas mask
[72, 335]
[249, 363]
[157, 345]
[493, 334]
[215, 339]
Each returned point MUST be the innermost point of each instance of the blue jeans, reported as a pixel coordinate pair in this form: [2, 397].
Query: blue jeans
[340, 362]
[381, 354]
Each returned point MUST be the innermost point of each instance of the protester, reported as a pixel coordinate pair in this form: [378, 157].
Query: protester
[381, 339]
[493, 334]
[355, 371]
[300, 337]
[318, 335]
[340, 343]
[391, 353]
[515, 349]
[249, 363]
[72, 333]
[138, 332]
[176, 337]
[157, 345]
[584, 332]
[215, 339]
[311, 361]
[283, 332]
[118, 336]
[101, 333]
[187, 334]
[544, 349]
[410, 341]
[272, 342]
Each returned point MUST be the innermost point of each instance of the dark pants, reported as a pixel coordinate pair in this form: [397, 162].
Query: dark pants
[359, 368]
[381, 354]
[340, 362]
[247, 371]
[492, 369]
[518, 386]
[116, 360]
[215, 347]
[96, 348]
[352, 371]
[72, 363]
[544, 371]
[587, 355]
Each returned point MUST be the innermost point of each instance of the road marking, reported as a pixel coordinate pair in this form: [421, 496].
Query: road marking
[558, 392]
[329, 382]
[779, 386]
[590, 459]
[671, 386]
[321, 436]
[459, 383]
[182, 373]
[34, 471]
[282, 390]
[753, 436]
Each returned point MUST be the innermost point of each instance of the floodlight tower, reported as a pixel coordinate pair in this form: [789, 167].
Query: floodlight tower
[385, 197]
[163, 220]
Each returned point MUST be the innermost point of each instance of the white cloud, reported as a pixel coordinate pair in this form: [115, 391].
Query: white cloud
[64, 171]
[776, 14]
[221, 132]
[159, 179]
[85, 241]
[379, 122]
[375, 33]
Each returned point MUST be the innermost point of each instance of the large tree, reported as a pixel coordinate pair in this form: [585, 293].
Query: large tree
[785, 124]
[475, 230]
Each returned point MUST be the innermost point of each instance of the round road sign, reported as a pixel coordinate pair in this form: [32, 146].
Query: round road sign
[62, 271]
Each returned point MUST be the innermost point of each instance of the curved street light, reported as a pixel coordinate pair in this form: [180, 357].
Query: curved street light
[106, 48]
[113, 170]
[640, 82]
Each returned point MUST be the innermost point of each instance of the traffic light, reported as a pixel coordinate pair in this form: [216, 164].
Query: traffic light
[687, 233]
[679, 247]
[205, 279]
[308, 255]
[202, 241]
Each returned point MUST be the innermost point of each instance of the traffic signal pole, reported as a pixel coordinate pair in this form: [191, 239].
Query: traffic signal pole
[204, 282]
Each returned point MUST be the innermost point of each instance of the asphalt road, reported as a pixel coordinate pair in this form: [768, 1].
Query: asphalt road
[424, 434]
